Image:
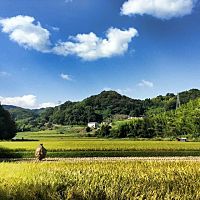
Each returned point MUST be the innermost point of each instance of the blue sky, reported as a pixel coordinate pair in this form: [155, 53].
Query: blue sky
[61, 50]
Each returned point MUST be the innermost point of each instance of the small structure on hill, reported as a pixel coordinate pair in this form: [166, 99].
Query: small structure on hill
[93, 125]
[181, 139]
[40, 152]
[141, 117]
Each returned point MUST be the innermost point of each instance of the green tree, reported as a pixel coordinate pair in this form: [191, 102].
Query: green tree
[7, 125]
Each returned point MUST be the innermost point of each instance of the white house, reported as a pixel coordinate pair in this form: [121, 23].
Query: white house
[181, 139]
[93, 125]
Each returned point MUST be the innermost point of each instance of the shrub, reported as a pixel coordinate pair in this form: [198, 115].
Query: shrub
[7, 125]
[88, 129]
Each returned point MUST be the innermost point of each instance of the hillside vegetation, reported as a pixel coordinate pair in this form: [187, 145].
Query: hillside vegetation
[159, 116]
[183, 121]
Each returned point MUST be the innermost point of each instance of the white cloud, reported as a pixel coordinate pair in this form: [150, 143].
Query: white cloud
[55, 28]
[125, 91]
[68, 1]
[47, 105]
[164, 9]
[26, 33]
[31, 35]
[26, 101]
[65, 77]
[90, 47]
[3, 74]
[145, 83]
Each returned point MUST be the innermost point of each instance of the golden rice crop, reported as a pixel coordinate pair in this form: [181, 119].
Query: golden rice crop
[94, 180]
[98, 144]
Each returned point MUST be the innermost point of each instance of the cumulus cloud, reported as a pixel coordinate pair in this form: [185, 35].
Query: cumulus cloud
[26, 101]
[91, 47]
[26, 32]
[65, 77]
[31, 35]
[163, 9]
[145, 83]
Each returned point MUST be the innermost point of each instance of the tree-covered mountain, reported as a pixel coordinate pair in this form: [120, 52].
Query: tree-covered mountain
[18, 113]
[103, 106]
[109, 103]
[95, 108]
[25, 119]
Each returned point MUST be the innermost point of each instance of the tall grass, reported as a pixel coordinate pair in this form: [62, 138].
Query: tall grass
[100, 180]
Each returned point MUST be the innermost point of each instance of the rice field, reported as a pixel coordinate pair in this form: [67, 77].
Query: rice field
[100, 180]
[58, 178]
[65, 146]
[54, 141]
[99, 144]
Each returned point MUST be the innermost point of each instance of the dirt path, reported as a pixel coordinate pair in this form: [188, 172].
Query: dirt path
[92, 159]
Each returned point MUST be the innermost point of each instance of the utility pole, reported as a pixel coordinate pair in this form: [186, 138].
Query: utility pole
[178, 103]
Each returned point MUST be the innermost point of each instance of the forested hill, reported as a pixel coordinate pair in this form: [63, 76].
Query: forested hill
[106, 105]
[110, 103]
[94, 108]
[19, 113]
[168, 102]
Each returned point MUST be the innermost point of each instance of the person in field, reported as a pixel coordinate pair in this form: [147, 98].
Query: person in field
[40, 152]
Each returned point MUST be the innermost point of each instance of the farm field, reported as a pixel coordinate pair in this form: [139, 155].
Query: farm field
[98, 180]
[68, 145]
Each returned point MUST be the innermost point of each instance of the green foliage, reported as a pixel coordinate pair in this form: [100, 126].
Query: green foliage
[95, 108]
[110, 106]
[88, 129]
[26, 119]
[183, 121]
[138, 128]
[104, 130]
[7, 125]
[110, 103]
[18, 113]
[75, 114]
[161, 104]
